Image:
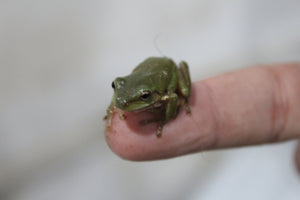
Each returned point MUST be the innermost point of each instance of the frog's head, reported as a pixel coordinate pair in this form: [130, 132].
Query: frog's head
[133, 94]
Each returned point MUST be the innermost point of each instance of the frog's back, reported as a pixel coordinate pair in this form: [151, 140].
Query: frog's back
[156, 73]
[153, 65]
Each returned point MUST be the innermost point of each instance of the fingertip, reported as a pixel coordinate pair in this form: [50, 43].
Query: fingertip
[187, 133]
[131, 143]
[120, 140]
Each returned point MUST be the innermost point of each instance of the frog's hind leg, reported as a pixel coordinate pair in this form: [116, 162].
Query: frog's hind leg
[184, 82]
[184, 69]
[171, 111]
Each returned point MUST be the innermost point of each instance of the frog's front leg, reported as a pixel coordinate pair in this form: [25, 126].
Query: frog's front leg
[171, 110]
[184, 82]
[109, 112]
[108, 116]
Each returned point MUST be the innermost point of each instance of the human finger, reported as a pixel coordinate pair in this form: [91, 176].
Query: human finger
[246, 107]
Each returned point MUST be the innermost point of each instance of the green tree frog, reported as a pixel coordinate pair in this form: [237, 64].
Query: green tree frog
[156, 84]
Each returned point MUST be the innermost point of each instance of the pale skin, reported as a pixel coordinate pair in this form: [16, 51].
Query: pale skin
[251, 106]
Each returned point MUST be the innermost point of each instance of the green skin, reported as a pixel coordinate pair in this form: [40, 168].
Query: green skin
[156, 84]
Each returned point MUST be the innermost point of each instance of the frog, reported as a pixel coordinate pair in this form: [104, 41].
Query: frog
[157, 85]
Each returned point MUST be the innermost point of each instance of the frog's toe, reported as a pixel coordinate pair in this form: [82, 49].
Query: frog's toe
[122, 116]
[188, 109]
[159, 130]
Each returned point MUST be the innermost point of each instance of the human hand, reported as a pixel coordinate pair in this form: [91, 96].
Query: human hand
[247, 107]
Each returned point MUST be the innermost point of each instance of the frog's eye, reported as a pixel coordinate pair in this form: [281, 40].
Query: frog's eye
[145, 95]
[113, 85]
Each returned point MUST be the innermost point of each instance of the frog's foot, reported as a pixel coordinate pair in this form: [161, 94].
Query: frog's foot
[107, 118]
[108, 121]
[107, 127]
[187, 108]
[121, 115]
[159, 130]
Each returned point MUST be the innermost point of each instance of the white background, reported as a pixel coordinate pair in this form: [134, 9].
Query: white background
[57, 61]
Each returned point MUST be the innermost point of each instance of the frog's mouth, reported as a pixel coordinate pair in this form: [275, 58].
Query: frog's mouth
[141, 107]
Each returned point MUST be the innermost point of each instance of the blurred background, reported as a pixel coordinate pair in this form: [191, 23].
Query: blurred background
[57, 61]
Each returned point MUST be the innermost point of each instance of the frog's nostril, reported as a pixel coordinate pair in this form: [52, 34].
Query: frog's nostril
[119, 83]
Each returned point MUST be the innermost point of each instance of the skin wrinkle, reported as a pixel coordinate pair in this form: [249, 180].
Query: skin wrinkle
[198, 141]
[215, 114]
[192, 144]
[280, 107]
[195, 144]
[293, 80]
